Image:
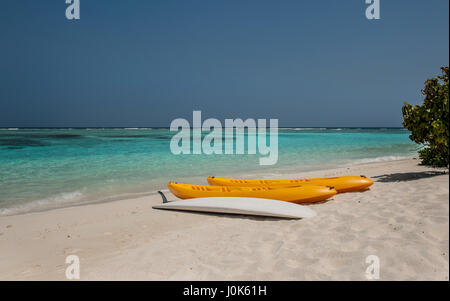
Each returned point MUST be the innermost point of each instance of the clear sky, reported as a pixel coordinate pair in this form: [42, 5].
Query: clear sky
[144, 63]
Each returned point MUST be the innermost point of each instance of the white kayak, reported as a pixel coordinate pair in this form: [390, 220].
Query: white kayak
[238, 205]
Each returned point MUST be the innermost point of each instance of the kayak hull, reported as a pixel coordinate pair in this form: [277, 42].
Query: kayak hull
[341, 184]
[299, 194]
[243, 206]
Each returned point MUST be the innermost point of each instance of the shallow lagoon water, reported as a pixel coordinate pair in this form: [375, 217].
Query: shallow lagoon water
[46, 168]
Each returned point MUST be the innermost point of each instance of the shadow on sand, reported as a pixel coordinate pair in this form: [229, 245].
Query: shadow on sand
[233, 216]
[408, 176]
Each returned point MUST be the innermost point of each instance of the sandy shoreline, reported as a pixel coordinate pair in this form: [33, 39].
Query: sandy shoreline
[403, 219]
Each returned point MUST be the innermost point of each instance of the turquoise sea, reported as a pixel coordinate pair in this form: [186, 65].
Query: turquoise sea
[46, 168]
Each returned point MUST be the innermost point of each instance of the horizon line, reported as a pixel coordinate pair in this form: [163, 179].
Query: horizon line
[166, 127]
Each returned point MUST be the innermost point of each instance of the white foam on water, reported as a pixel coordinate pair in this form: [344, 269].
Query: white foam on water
[51, 202]
[304, 129]
[74, 198]
[311, 129]
[381, 159]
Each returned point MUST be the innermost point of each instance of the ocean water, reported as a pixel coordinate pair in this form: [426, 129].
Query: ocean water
[47, 168]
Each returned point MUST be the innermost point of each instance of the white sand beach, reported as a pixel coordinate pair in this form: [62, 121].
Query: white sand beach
[403, 219]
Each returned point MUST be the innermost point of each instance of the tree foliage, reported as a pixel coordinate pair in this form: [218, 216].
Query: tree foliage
[429, 122]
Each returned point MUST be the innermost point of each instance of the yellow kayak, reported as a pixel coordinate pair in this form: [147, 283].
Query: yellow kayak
[341, 184]
[299, 194]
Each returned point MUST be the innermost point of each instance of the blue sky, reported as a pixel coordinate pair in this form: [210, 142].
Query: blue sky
[145, 63]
